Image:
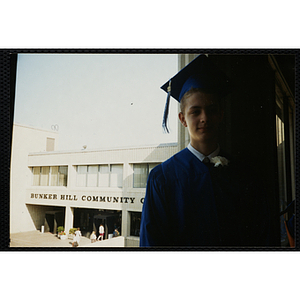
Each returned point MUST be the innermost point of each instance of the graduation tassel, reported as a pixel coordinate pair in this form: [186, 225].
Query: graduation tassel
[166, 112]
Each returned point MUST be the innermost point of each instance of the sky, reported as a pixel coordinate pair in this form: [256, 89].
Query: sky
[97, 100]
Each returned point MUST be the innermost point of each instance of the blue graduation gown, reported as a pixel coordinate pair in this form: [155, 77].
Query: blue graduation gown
[188, 203]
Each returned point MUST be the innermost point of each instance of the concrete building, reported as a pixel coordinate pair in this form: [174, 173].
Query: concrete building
[83, 188]
[25, 139]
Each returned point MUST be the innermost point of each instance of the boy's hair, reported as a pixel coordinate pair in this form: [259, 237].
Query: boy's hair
[195, 90]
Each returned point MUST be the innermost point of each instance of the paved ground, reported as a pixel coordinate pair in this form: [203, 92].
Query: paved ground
[38, 239]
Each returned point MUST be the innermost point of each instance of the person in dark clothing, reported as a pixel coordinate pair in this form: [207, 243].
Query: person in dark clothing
[200, 196]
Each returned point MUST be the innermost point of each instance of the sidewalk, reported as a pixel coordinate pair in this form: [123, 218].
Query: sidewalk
[38, 239]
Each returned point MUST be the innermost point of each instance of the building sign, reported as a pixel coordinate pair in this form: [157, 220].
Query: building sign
[86, 198]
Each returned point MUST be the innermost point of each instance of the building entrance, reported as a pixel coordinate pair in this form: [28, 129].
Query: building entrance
[53, 219]
[89, 220]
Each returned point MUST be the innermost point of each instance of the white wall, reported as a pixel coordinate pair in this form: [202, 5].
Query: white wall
[29, 147]
[25, 140]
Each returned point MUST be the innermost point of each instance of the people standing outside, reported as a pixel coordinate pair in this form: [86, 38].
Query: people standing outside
[93, 237]
[116, 233]
[76, 239]
[101, 233]
[200, 196]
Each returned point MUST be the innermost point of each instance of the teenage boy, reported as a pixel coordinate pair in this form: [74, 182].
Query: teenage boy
[200, 197]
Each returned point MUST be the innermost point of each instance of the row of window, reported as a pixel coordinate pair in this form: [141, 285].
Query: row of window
[108, 175]
[100, 175]
[50, 176]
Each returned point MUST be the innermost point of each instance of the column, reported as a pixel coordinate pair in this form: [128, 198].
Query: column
[125, 230]
[69, 218]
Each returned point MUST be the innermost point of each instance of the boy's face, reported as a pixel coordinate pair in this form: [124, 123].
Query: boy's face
[202, 115]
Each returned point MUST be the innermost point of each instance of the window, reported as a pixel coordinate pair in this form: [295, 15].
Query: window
[54, 175]
[135, 223]
[285, 134]
[100, 175]
[281, 156]
[59, 176]
[285, 153]
[141, 173]
[50, 176]
[116, 175]
[36, 175]
[81, 175]
[44, 180]
[62, 176]
[92, 174]
[103, 176]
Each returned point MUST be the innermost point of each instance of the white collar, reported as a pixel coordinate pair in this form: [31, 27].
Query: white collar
[201, 156]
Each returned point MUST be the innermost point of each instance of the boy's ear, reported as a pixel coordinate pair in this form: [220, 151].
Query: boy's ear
[182, 119]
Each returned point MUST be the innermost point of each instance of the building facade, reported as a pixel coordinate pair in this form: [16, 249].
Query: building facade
[83, 188]
[25, 139]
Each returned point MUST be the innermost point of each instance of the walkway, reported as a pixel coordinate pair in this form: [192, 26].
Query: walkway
[38, 239]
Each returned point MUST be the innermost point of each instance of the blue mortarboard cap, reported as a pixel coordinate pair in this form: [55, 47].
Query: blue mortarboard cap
[199, 73]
